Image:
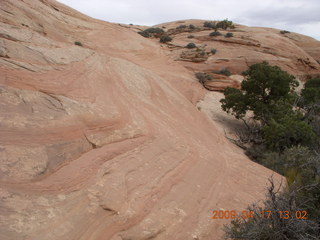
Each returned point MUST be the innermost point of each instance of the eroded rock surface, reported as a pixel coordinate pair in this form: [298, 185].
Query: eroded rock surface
[295, 53]
[103, 140]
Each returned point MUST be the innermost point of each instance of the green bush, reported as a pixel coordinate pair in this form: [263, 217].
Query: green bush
[190, 36]
[144, 34]
[229, 35]
[182, 27]
[223, 71]
[154, 30]
[264, 84]
[284, 31]
[150, 32]
[209, 24]
[286, 132]
[165, 38]
[215, 34]
[191, 45]
[191, 26]
[78, 43]
[311, 91]
[213, 51]
[225, 24]
[288, 147]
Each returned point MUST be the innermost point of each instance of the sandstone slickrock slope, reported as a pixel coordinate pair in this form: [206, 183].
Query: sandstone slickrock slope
[295, 53]
[104, 141]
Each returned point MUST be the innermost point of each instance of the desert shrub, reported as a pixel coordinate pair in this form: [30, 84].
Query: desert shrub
[203, 77]
[213, 51]
[191, 45]
[165, 38]
[284, 31]
[311, 92]
[225, 24]
[181, 27]
[215, 34]
[223, 71]
[276, 220]
[287, 131]
[78, 43]
[144, 34]
[154, 30]
[190, 36]
[229, 35]
[149, 32]
[287, 148]
[209, 24]
[191, 26]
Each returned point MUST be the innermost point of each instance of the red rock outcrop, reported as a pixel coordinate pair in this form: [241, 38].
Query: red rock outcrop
[103, 140]
[295, 53]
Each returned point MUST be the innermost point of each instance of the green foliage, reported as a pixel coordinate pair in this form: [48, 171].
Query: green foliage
[263, 85]
[144, 34]
[182, 27]
[78, 43]
[224, 71]
[287, 131]
[235, 102]
[284, 32]
[203, 77]
[229, 35]
[209, 24]
[190, 36]
[191, 26]
[165, 38]
[215, 34]
[225, 24]
[150, 32]
[213, 51]
[311, 91]
[191, 45]
[154, 30]
[288, 139]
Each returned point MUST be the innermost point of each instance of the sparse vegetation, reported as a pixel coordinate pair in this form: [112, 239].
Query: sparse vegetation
[151, 32]
[284, 216]
[78, 43]
[144, 34]
[213, 51]
[191, 26]
[165, 38]
[223, 71]
[225, 24]
[190, 36]
[286, 140]
[229, 35]
[215, 34]
[209, 24]
[182, 27]
[284, 32]
[203, 77]
[191, 45]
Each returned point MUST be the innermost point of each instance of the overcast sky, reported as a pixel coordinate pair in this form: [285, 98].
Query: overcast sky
[302, 16]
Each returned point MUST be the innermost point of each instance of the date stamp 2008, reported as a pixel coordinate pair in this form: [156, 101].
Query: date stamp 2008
[226, 214]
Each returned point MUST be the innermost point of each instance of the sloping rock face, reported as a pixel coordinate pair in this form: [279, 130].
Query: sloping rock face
[295, 53]
[103, 140]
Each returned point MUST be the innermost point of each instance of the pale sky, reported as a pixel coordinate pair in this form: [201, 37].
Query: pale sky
[301, 16]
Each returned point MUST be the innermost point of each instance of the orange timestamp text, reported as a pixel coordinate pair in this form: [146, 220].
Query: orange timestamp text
[246, 214]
